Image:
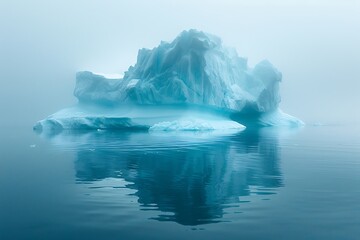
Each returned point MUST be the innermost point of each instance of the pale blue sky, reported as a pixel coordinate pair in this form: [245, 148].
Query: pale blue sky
[315, 44]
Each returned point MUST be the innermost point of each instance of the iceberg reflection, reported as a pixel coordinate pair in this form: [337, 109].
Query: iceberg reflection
[186, 179]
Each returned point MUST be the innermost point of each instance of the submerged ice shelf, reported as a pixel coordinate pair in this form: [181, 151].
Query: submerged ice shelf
[140, 117]
[193, 83]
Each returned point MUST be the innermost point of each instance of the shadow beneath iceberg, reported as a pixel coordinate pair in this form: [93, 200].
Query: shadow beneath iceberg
[188, 179]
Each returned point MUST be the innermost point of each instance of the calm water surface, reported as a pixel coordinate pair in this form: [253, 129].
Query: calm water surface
[256, 184]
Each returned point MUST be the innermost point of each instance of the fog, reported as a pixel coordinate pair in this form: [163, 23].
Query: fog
[44, 43]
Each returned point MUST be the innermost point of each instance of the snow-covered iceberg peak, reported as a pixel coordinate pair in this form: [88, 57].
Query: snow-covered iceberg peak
[195, 68]
[194, 77]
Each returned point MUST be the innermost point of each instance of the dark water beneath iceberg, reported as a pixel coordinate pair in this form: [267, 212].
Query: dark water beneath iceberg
[256, 184]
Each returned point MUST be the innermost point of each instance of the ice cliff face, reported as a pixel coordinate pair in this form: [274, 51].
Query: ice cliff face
[193, 69]
[192, 83]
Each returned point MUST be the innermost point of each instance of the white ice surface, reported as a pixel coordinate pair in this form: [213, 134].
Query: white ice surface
[279, 118]
[195, 124]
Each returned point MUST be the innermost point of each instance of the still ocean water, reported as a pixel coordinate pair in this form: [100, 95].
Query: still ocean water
[256, 184]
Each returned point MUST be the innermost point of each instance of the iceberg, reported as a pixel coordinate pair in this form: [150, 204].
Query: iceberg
[193, 83]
